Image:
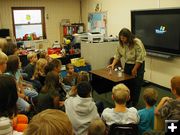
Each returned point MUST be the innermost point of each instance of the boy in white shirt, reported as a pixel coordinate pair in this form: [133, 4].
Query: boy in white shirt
[81, 109]
[120, 114]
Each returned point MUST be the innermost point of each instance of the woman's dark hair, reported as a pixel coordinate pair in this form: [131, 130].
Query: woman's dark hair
[53, 64]
[128, 34]
[51, 82]
[8, 96]
[10, 48]
[12, 64]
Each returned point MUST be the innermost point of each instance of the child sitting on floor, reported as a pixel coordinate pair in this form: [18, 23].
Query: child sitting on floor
[71, 77]
[30, 68]
[82, 76]
[8, 107]
[146, 115]
[169, 108]
[97, 127]
[81, 109]
[120, 114]
[3, 62]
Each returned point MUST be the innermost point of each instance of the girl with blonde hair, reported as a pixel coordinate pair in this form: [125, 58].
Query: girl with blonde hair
[3, 62]
[3, 42]
[39, 73]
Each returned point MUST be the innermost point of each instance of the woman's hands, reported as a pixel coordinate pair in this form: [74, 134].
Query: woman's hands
[111, 66]
[135, 69]
[134, 72]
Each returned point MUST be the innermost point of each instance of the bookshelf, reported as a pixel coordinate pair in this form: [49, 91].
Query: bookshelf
[68, 30]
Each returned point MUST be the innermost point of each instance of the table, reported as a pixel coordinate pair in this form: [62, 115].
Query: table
[103, 82]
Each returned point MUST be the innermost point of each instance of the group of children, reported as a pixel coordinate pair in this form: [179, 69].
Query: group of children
[65, 105]
[39, 84]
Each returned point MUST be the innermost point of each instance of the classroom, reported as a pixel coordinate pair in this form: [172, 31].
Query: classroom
[111, 47]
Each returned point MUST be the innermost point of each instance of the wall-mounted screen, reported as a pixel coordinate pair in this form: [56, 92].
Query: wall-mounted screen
[158, 29]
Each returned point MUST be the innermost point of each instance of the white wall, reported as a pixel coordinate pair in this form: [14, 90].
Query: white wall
[56, 10]
[158, 70]
[90, 52]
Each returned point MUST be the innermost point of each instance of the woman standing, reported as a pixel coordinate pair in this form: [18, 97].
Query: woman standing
[133, 52]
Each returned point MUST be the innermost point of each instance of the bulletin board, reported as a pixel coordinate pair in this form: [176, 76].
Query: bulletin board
[97, 22]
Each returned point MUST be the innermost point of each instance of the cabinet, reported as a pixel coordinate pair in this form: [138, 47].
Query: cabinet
[98, 54]
[69, 29]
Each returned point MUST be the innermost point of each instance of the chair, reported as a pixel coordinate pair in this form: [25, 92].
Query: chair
[123, 129]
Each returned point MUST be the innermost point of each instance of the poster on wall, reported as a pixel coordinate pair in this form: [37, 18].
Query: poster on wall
[97, 22]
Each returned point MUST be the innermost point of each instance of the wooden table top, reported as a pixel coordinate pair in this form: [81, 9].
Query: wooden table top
[115, 76]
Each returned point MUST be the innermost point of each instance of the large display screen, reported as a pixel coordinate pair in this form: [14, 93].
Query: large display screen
[158, 29]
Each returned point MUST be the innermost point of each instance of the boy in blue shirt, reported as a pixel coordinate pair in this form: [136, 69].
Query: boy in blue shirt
[146, 115]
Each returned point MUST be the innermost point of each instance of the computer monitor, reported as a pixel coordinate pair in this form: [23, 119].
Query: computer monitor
[4, 33]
